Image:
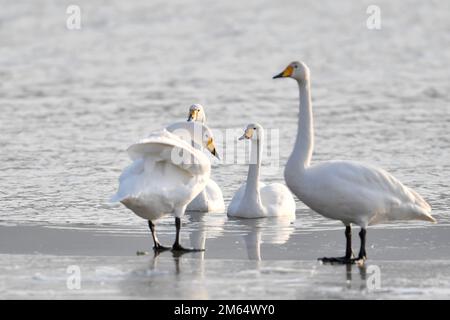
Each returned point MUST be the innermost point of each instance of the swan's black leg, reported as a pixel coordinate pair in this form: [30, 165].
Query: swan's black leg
[362, 251]
[177, 246]
[348, 242]
[157, 246]
[348, 250]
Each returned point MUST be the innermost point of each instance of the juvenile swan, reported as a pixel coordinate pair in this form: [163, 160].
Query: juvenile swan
[166, 174]
[348, 191]
[210, 199]
[254, 199]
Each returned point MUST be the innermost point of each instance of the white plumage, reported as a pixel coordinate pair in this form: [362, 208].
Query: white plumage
[351, 192]
[356, 193]
[154, 184]
[166, 173]
[210, 199]
[255, 199]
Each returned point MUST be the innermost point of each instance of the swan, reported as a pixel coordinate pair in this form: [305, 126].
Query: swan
[166, 174]
[351, 192]
[209, 199]
[254, 199]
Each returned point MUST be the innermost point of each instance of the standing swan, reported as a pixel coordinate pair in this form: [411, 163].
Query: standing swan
[210, 199]
[254, 199]
[166, 174]
[343, 190]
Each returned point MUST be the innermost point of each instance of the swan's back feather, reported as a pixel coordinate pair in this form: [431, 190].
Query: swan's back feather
[164, 145]
[359, 193]
[276, 201]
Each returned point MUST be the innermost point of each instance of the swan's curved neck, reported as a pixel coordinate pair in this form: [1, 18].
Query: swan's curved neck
[252, 187]
[304, 143]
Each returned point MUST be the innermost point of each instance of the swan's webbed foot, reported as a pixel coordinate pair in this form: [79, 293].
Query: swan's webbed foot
[158, 247]
[177, 247]
[337, 260]
[349, 257]
[343, 260]
[360, 259]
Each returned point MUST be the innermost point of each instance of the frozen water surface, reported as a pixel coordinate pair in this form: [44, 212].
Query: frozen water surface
[192, 278]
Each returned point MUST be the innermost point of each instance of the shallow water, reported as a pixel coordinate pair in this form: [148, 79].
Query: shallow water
[186, 278]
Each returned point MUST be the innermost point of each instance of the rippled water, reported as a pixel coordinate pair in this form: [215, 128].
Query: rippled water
[72, 101]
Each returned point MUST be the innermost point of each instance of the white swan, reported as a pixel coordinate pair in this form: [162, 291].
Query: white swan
[254, 199]
[166, 174]
[348, 191]
[210, 199]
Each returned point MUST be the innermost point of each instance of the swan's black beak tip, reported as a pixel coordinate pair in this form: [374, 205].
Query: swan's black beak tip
[280, 75]
[215, 154]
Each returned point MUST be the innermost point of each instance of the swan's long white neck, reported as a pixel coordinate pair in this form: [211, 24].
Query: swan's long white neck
[252, 187]
[304, 143]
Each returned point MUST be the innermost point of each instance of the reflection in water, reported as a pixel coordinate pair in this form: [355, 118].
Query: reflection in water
[362, 275]
[266, 230]
[203, 226]
[190, 283]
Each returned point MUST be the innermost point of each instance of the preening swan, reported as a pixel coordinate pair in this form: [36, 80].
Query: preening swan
[166, 174]
[210, 199]
[254, 199]
[343, 190]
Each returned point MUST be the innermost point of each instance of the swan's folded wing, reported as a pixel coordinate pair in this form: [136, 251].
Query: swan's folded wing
[371, 186]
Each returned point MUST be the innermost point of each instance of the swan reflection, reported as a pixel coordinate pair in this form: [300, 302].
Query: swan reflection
[275, 231]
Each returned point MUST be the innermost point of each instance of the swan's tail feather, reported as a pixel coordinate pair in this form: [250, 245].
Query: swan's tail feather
[425, 216]
[115, 199]
[429, 218]
[422, 208]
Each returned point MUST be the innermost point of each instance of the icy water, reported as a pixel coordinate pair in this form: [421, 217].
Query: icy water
[185, 278]
[71, 102]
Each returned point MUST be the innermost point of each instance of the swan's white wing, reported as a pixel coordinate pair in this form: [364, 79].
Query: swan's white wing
[359, 193]
[163, 145]
[277, 200]
[155, 183]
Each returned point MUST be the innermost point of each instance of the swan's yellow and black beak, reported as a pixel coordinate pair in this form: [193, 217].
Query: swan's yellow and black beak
[212, 148]
[247, 134]
[286, 73]
[193, 114]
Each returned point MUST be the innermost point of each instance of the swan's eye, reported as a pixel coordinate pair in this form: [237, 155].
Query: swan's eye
[295, 66]
[254, 128]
